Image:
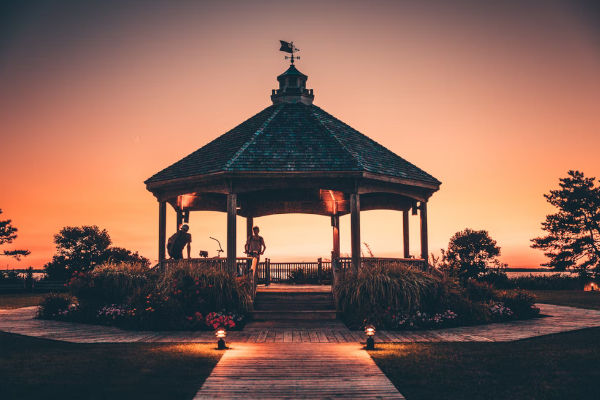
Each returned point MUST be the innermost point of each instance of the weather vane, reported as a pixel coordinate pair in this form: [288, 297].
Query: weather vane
[289, 47]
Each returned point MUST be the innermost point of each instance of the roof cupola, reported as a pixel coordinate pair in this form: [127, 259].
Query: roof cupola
[292, 83]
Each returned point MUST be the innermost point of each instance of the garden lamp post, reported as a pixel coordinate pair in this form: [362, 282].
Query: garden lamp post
[370, 332]
[221, 333]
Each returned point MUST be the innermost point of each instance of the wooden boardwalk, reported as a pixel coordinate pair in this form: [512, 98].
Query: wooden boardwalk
[560, 319]
[300, 371]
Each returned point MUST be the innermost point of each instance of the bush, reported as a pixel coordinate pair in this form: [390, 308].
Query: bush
[479, 291]
[57, 306]
[375, 288]
[205, 289]
[133, 296]
[109, 284]
[398, 297]
[521, 303]
[497, 279]
[549, 282]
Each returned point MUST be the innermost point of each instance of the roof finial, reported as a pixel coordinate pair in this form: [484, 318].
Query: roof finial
[289, 47]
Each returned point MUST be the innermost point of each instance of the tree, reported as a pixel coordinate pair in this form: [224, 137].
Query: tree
[83, 248]
[573, 232]
[119, 255]
[8, 233]
[470, 253]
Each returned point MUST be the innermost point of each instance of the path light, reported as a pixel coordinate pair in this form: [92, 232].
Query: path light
[370, 332]
[221, 333]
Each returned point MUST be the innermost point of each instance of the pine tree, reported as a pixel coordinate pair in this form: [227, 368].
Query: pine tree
[573, 232]
[8, 233]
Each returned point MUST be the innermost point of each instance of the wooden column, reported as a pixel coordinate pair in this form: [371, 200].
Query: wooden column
[249, 226]
[405, 234]
[335, 223]
[424, 240]
[231, 232]
[179, 219]
[355, 229]
[162, 230]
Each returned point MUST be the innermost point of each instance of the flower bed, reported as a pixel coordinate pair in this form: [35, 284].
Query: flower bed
[397, 297]
[134, 297]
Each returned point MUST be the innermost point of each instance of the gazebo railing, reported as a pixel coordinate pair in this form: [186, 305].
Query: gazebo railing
[319, 271]
[299, 272]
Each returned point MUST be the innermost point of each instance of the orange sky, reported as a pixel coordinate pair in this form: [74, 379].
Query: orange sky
[497, 102]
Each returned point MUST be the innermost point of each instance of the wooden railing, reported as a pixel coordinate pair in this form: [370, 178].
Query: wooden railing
[319, 271]
[297, 272]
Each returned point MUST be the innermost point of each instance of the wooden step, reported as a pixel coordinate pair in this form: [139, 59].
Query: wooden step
[294, 315]
[294, 296]
[259, 305]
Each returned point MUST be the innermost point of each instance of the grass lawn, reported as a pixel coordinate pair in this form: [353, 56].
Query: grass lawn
[561, 366]
[32, 368]
[16, 300]
[573, 298]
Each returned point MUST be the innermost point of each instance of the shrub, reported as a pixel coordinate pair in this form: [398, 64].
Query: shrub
[497, 279]
[57, 306]
[375, 288]
[420, 320]
[109, 284]
[521, 303]
[133, 296]
[549, 282]
[217, 320]
[205, 289]
[479, 291]
[499, 311]
[397, 297]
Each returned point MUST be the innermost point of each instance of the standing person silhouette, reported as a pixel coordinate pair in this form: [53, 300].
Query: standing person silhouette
[178, 241]
[255, 247]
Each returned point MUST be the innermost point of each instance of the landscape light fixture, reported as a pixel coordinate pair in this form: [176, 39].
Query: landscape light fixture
[221, 333]
[370, 332]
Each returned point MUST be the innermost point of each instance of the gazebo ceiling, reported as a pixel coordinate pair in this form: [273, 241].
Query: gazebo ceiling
[283, 156]
[309, 201]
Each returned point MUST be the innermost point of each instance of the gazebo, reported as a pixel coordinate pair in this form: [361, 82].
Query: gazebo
[293, 157]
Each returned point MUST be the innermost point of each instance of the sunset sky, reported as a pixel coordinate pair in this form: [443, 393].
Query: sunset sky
[498, 100]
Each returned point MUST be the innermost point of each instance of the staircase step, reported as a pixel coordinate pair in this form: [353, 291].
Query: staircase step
[291, 306]
[292, 295]
[264, 315]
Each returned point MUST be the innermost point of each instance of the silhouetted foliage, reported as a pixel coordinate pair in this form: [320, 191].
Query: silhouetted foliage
[8, 233]
[573, 232]
[470, 253]
[83, 248]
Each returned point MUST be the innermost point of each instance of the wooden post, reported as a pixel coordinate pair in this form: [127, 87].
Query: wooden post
[179, 218]
[424, 240]
[355, 229]
[319, 269]
[267, 271]
[231, 232]
[162, 230]
[249, 226]
[405, 233]
[335, 223]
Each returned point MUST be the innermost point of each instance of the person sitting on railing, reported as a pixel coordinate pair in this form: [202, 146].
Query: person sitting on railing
[178, 241]
[255, 247]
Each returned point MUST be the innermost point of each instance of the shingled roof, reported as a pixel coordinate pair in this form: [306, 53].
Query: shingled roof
[293, 137]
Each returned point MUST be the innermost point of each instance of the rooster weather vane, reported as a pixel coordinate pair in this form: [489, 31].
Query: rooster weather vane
[289, 47]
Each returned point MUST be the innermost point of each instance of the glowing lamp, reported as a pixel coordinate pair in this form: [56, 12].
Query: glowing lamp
[370, 332]
[221, 333]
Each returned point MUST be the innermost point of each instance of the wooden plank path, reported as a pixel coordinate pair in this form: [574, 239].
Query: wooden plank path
[560, 319]
[306, 370]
